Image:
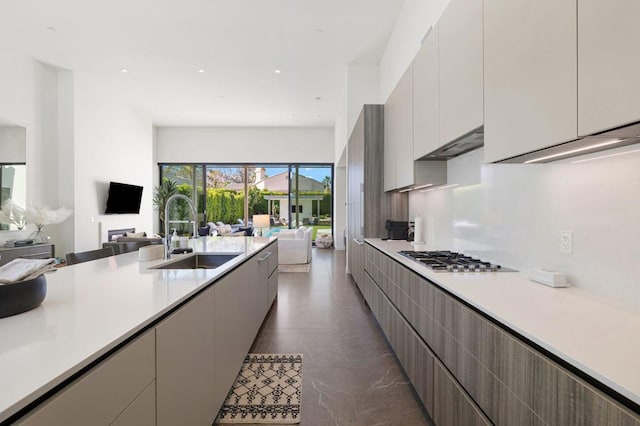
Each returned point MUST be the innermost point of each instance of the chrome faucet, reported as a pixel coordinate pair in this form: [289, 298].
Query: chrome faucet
[166, 220]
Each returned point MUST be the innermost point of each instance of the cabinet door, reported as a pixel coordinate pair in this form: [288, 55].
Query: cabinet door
[142, 411]
[357, 262]
[530, 75]
[236, 324]
[273, 287]
[102, 394]
[426, 97]
[460, 62]
[398, 131]
[451, 405]
[263, 289]
[185, 371]
[608, 86]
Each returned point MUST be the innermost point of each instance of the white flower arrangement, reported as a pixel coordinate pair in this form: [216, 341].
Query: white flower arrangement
[44, 216]
[14, 214]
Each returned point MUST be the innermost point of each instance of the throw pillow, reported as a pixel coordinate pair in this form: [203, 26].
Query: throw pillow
[135, 234]
[299, 233]
[219, 223]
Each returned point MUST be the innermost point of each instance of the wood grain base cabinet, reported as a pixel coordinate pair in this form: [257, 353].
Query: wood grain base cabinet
[356, 261]
[414, 356]
[35, 251]
[502, 376]
[451, 405]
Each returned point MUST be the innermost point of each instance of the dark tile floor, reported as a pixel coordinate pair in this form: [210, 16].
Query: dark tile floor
[350, 375]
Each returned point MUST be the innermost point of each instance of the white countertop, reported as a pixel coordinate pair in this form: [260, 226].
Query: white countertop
[92, 307]
[599, 339]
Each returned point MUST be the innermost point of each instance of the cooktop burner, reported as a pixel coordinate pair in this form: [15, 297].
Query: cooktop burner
[448, 261]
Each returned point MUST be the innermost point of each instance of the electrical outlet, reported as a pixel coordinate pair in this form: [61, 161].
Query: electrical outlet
[566, 242]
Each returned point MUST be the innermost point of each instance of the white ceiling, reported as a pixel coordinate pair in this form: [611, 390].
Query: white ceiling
[239, 44]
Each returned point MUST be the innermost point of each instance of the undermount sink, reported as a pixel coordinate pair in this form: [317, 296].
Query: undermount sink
[199, 261]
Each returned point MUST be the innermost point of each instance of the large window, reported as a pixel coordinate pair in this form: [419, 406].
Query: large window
[291, 194]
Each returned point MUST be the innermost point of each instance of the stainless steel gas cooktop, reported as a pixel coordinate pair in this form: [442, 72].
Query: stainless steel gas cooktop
[447, 261]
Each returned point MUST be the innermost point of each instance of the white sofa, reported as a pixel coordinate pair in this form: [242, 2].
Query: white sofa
[294, 246]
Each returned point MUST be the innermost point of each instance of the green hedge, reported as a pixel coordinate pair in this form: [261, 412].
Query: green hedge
[227, 206]
[224, 205]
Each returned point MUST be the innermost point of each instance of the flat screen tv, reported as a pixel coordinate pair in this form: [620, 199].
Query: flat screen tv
[123, 198]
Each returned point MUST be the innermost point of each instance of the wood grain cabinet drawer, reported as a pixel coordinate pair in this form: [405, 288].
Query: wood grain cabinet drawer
[451, 406]
[38, 251]
[103, 393]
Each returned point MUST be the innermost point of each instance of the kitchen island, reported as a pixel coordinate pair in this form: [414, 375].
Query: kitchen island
[95, 310]
[512, 350]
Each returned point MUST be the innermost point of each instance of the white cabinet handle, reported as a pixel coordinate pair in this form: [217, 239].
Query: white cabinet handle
[263, 258]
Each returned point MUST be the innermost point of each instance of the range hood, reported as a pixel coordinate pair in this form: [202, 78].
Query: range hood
[608, 139]
[465, 143]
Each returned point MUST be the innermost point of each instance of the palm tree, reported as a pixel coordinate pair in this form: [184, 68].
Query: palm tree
[161, 194]
[327, 183]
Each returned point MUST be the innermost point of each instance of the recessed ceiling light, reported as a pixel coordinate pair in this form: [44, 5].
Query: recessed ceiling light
[318, 30]
[277, 71]
[200, 70]
[318, 98]
[291, 116]
[51, 28]
[124, 70]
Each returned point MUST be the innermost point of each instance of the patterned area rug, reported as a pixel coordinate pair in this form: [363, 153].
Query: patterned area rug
[305, 267]
[266, 391]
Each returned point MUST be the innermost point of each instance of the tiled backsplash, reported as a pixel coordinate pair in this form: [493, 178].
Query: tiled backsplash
[513, 214]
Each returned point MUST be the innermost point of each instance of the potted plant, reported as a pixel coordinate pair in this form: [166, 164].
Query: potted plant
[161, 194]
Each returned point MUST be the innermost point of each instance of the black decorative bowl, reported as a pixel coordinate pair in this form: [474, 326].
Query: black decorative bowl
[22, 296]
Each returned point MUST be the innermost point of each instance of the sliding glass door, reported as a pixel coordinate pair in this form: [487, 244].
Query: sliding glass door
[225, 196]
[311, 195]
[290, 194]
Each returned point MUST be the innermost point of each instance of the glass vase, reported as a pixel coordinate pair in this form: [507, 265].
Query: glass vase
[39, 236]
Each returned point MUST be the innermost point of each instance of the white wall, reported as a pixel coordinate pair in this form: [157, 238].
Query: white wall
[514, 214]
[113, 142]
[29, 98]
[244, 145]
[65, 232]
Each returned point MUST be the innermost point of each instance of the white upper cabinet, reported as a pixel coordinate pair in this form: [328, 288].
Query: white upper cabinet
[608, 60]
[530, 75]
[426, 108]
[398, 134]
[460, 63]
